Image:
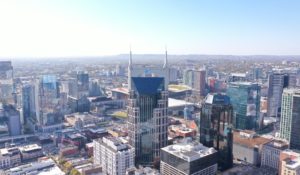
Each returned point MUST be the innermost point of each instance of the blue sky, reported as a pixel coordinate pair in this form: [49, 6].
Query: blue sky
[46, 28]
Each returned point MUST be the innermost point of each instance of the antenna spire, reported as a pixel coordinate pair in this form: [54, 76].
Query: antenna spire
[166, 58]
[130, 57]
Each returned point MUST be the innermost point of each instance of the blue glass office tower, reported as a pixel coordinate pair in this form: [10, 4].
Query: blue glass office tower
[28, 100]
[147, 118]
[245, 99]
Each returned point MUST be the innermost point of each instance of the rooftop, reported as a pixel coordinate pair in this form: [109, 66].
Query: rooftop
[31, 147]
[177, 103]
[279, 144]
[189, 150]
[248, 139]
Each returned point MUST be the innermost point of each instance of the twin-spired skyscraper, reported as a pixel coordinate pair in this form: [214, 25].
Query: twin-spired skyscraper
[147, 111]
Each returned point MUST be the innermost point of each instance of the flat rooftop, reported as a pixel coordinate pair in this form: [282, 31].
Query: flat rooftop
[189, 151]
[31, 147]
[239, 137]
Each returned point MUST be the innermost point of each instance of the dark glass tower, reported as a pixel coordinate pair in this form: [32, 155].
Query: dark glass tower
[147, 118]
[216, 127]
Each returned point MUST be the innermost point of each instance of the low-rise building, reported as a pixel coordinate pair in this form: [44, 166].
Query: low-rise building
[9, 157]
[247, 146]
[188, 158]
[42, 167]
[32, 151]
[271, 152]
[113, 155]
[289, 163]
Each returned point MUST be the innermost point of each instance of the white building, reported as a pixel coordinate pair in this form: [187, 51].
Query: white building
[113, 155]
[9, 157]
[188, 158]
[43, 167]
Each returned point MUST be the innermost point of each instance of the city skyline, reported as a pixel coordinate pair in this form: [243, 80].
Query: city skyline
[98, 28]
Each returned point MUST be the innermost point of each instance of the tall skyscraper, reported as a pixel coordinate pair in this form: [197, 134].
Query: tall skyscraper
[216, 125]
[290, 117]
[199, 82]
[6, 82]
[188, 77]
[28, 101]
[147, 115]
[278, 81]
[49, 114]
[13, 118]
[78, 92]
[245, 99]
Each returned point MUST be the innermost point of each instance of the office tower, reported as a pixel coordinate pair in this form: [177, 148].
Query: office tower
[216, 127]
[290, 117]
[95, 89]
[113, 155]
[28, 101]
[78, 92]
[245, 99]
[49, 114]
[256, 73]
[199, 82]
[147, 115]
[82, 83]
[6, 82]
[278, 81]
[188, 158]
[270, 154]
[188, 77]
[173, 75]
[13, 118]
[120, 70]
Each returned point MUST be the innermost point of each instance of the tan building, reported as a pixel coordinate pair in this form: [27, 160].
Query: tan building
[289, 163]
[247, 146]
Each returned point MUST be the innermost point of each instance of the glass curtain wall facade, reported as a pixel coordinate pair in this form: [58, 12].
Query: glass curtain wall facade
[216, 127]
[245, 99]
[147, 118]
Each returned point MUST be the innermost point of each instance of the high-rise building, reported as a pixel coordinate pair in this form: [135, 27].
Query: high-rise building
[6, 82]
[216, 127]
[278, 81]
[188, 158]
[147, 114]
[188, 77]
[290, 117]
[28, 101]
[245, 99]
[78, 92]
[49, 114]
[13, 118]
[173, 75]
[113, 155]
[199, 82]
[95, 89]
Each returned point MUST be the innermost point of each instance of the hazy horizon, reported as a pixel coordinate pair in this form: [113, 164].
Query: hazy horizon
[54, 28]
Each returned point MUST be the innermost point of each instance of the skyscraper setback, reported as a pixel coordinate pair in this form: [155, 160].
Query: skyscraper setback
[147, 114]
